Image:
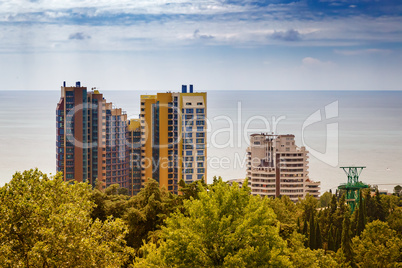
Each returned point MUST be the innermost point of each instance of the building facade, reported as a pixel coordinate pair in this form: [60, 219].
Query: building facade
[276, 166]
[73, 130]
[91, 139]
[96, 142]
[173, 137]
[134, 142]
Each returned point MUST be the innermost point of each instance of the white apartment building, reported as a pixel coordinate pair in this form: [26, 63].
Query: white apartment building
[276, 166]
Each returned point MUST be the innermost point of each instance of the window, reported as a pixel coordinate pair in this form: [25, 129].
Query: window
[200, 140]
[189, 152]
[199, 103]
[200, 158]
[189, 170]
[199, 111]
[200, 170]
[200, 128]
[200, 176]
[201, 164]
[188, 103]
[200, 152]
[200, 122]
[189, 177]
[189, 111]
[189, 135]
[200, 135]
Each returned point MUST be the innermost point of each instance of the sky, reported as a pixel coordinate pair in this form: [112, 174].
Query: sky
[213, 44]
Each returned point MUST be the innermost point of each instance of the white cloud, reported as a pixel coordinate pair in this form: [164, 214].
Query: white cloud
[115, 24]
[310, 62]
[363, 51]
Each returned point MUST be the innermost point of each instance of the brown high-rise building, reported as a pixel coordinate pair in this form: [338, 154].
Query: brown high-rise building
[92, 140]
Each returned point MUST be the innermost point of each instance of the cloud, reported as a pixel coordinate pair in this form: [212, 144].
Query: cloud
[158, 24]
[362, 52]
[310, 62]
[290, 35]
[197, 35]
[79, 36]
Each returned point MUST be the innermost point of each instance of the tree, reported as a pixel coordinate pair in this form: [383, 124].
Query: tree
[325, 199]
[389, 204]
[341, 212]
[346, 246]
[331, 242]
[302, 257]
[361, 219]
[45, 222]
[337, 239]
[312, 238]
[190, 190]
[99, 211]
[146, 213]
[299, 230]
[370, 206]
[394, 221]
[305, 232]
[285, 209]
[318, 237]
[398, 190]
[333, 205]
[308, 205]
[226, 226]
[378, 246]
[379, 210]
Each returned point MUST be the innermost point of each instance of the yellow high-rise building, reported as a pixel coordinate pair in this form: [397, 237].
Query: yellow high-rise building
[173, 137]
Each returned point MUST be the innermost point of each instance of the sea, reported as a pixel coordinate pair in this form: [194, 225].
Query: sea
[339, 129]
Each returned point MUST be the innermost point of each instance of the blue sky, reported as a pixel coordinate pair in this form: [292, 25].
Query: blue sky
[213, 44]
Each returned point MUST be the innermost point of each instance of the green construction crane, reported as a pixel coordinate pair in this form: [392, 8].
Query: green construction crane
[353, 186]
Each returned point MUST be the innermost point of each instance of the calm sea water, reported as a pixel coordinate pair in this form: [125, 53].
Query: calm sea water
[369, 130]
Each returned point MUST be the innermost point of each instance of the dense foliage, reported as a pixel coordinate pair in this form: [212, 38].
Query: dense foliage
[45, 222]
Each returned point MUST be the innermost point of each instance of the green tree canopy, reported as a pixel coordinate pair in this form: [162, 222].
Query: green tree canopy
[398, 190]
[325, 199]
[45, 222]
[378, 246]
[225, 227]
[146, 213]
